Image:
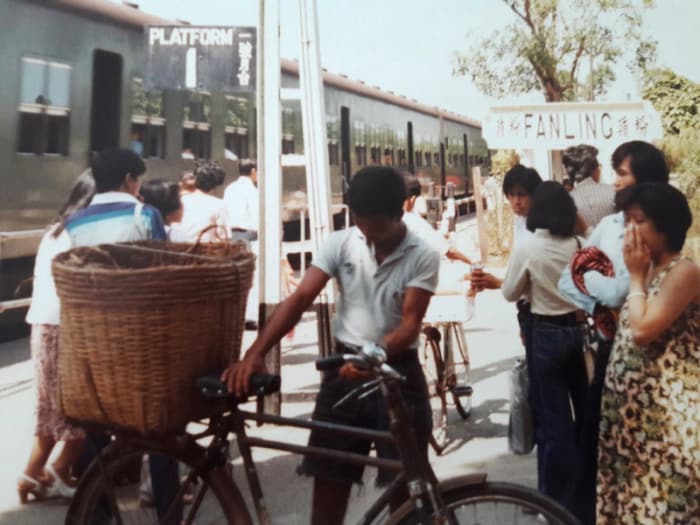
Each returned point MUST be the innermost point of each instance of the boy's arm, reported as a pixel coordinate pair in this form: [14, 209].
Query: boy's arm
[415, 303]
[283, 319]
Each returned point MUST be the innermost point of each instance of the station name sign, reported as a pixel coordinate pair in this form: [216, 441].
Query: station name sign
[210, 58]
[560, 125]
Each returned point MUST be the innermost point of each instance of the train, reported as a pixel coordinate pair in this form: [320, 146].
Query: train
[74, 85]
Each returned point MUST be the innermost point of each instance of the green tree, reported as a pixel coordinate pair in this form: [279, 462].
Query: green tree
[675, 97]
[545, 46]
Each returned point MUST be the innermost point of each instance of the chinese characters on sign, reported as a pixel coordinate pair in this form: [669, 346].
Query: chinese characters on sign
[206, 58]
[558, 125]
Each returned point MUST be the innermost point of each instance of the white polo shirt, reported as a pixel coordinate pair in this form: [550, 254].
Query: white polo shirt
[371, 295]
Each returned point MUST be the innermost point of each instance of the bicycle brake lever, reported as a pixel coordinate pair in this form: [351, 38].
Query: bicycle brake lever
[360, 390]
[369, 392]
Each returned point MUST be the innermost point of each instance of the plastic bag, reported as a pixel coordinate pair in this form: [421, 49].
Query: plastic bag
[521, 425]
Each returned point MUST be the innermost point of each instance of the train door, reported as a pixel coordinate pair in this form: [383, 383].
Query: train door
[106, 100]
[345, 149]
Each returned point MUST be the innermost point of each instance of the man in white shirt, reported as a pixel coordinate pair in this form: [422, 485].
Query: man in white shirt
[241, 202]
[421, 227]
[242, 216]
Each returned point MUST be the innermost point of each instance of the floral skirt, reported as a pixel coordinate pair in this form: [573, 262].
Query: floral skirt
[49, 418]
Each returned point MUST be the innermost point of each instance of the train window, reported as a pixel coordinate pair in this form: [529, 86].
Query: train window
[461, 160]
[419, 159]
[196, 135]
[375, 155]
[44, 107]
[388, 159]
[238, 115]
[333, 154]
[147, 122]
[436, 159]
[402, 157]
[428, 159]
[287, 144]
[361, 155]
[236, 143]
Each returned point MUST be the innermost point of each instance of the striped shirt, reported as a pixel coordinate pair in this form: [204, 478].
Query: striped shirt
[594, 200]
[114, 217]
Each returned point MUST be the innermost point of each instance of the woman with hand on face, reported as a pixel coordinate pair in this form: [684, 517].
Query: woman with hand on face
[648, 463]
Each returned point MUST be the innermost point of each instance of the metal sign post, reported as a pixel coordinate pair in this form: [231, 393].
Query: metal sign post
[269, 133]
[316, 153]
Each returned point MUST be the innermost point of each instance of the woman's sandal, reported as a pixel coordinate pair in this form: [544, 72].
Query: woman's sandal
[27, 485]
[59, 487]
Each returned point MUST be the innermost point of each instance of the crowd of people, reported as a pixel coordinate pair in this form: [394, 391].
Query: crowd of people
[618, 443]
[608, 309]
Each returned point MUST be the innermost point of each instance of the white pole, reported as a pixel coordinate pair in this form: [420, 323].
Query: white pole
[269, 133]
[316, 153]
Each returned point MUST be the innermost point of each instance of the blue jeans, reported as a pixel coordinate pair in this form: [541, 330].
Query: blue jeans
[586, 487]
[560, 380]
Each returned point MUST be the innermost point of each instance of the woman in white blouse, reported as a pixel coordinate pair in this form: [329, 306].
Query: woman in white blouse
[202, 208]
[40, 478]
[558, 377]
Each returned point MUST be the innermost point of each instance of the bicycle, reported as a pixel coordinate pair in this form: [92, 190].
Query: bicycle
[217, 499]
[445, 373]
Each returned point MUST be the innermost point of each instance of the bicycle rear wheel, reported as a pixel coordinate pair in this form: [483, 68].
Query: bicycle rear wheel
[202, 496]
[495, 504]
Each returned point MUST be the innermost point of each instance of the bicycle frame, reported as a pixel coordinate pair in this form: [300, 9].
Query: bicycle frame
[415, 472]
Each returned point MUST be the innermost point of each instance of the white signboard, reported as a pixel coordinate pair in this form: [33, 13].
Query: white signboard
[558, 125]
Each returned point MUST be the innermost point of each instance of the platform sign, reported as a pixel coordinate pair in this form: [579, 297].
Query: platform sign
[211, 58]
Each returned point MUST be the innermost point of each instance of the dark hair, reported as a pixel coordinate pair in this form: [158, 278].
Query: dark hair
[377, 191]
[110, 168]
[552, 209]
[413, 188]
[580, 161]
[667, 208]
[567, 182]
[647, 162]
[527, 178]
[163, 195]
[79, 197]
[246, 166]
[208, 174]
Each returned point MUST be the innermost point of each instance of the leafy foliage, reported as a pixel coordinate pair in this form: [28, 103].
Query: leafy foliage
[545, 46]
[675, 97]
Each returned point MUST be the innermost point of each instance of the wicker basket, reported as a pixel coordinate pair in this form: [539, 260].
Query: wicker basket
[139, 325]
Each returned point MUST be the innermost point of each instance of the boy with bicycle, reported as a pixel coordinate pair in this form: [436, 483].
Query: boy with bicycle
[386, 276]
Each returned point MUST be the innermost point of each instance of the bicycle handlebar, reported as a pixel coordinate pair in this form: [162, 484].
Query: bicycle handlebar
[213, 387]
[330, 363]
[370, 357]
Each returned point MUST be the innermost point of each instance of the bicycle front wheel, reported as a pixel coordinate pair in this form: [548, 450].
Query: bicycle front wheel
[495, 504]
[109, 493]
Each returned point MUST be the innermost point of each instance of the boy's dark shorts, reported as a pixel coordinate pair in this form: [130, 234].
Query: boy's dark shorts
[370, 413]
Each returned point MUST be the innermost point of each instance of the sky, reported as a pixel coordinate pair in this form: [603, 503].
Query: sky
[407, 46]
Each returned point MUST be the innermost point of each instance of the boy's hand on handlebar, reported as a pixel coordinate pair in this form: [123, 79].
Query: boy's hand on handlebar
[351, 373]
[237, 375]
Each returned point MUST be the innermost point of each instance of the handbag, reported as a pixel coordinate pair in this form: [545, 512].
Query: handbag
[521, 423]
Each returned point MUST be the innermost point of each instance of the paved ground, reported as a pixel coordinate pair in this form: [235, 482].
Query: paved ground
[479, 444]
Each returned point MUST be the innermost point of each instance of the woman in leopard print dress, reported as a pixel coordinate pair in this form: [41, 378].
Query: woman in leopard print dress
[649, 448]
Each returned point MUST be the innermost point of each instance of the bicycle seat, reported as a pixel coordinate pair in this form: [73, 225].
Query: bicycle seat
[212, 387]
